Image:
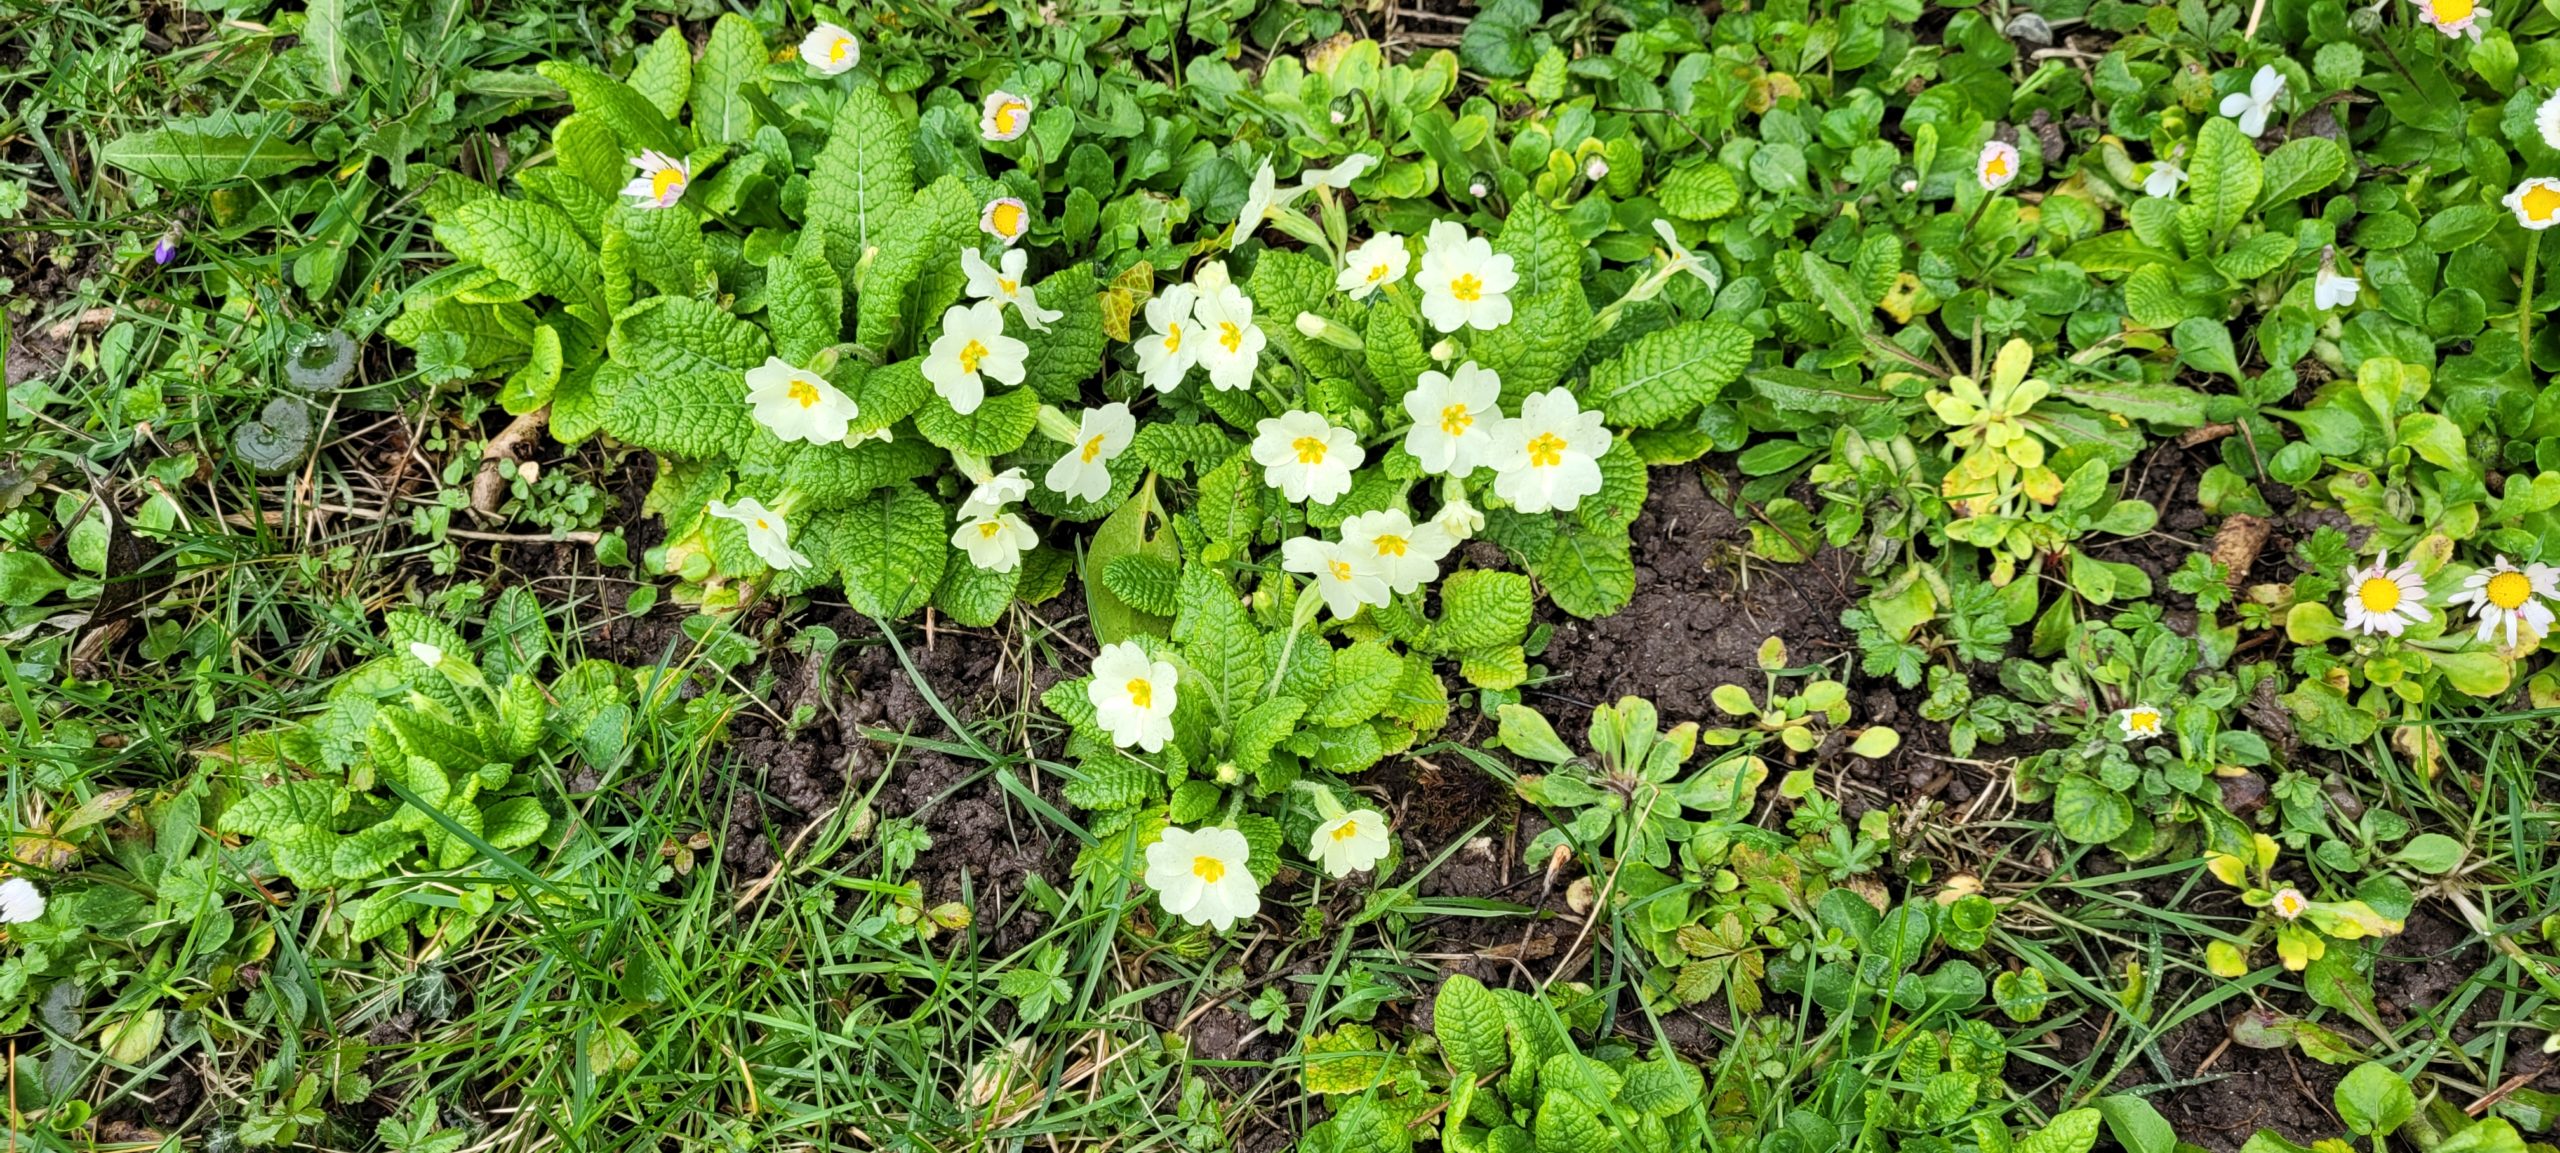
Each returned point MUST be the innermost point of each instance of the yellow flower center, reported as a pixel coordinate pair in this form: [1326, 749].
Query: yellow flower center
[663, 181]
[1310, 450]
[1208, 869]
[805, 392]
[1455, 420]
[1141, 693]
[1007, 219]
[1009, 117]
[1546, 450]
[2509, 590]
[1377, 272]
[2378, 594]
[1346, 830]
[2289, 904]
[761, 526]
[2541, 202]
[1390, 545]
[971, 355]
[1341, 570]
[1230, 336]
[2454, 11]
[836, 50]
[1009, 287]
[1173, 337]
[988, 529]
[1467, 288]
[2143, 720]
[1092, 448]
[1998, 165]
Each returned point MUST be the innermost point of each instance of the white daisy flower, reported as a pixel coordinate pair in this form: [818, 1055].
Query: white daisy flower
[830, 50]
[2384, 600]
[1548, 457]
[1004, 116]
[1305, 456]
[1406, 555]
[1349, 843]
[972, 347]
[1203, 876]
[1379, 261]
[795, 404]
[2503, 596]
[767, 536]
[1006, 284]
[1459, 519]
[2288, 903]
[1133, 696]
[2138, 722]
[1084, 472]
[1465, 284]
[2252, 107]
[1231, 343]
[994, 540]
[1454, 417]
[1996, 166]
[1346, 576]
[2536, 202]
[994, 493]
[2546, 120]
[1006, 218]
[1167, 353]
[661, 181]
[2163, 179]
[426, 654]
[20, 901]
[2454, 17]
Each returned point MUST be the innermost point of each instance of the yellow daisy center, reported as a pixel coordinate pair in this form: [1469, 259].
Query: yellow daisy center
[1346, 830]
[1998, 165]
[1341, 570]
[1455, 420]
[2509, 590]
[2143, 720]
[1092, 448]
[663, 181]
[804, 392]
[2541, 202]
[1391, 545]
[2454, 11]
[2378, 594]
[1546, 450]
[1208, 869]
[1142, 694]
[1009, 117]
[1309, 449]
[970, 355]
[2289, 904]
[1230, 336]
[1467, 288]
[1007, 219]
[836, 50]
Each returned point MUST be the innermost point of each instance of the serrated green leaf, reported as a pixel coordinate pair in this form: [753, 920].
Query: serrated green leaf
[974, 597]
[1666, 375]
[865, 172]
[271, 809]
[1220, 642]
[1587, 574]
[2300, 167]
[732, 59]
[664, 74]
[998, 426]
[635, 122]
[1065, 358]
[534, 245]
[1699, 192]
[1285, 283]
[1364, 677]
[1261, 729]
[693, 415]
[1148, 583]
[891, 550]
[836, 475]
[2224, 178]
[804, 302]
[1474, 1034]
[514, 823]
[925, 231]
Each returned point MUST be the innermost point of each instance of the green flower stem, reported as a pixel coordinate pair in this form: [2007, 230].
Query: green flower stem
[1307, 607]
[1058, 426]
[2524, 305]
[1328, 806]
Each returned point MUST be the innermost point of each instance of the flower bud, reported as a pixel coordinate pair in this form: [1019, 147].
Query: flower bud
[1338, 117]
[1444, 350]
[1316, 327]
[1228, 773]
[1478, 190]
[1910, 186]
[165, 251]
[1597, 169]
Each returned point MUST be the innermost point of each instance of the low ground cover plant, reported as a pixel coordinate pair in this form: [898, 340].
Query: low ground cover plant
[821, 576]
